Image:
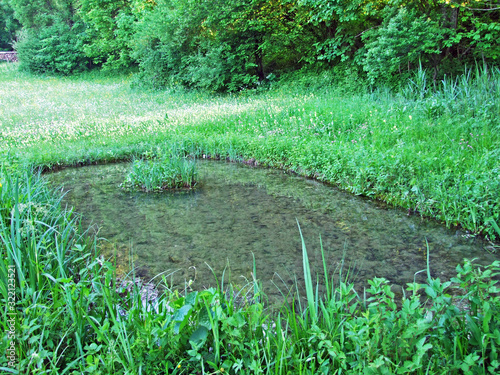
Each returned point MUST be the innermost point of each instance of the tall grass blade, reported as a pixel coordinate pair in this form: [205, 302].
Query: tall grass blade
[307, 279]
[256, 293]
[428, 267]
[325, 270]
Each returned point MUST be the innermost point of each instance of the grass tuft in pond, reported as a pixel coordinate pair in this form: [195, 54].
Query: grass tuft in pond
[166, 172]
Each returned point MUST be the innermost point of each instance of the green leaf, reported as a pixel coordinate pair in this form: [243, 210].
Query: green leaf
[199, 336]
[494, 225]
[204, 319]
[181, 316]
[307, 278]
[192, 298]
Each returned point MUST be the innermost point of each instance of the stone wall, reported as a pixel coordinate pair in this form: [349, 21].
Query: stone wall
[8, 56]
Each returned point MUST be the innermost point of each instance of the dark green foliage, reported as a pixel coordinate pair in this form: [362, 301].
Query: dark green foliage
[231, 45]
[38, 13]
[50, 40]
[163, 41]
[186, 42]
[389, 39]
[442, 36]
[52, 49]
[8, 26]
[401, 44]
[339, 25]
[180, 42]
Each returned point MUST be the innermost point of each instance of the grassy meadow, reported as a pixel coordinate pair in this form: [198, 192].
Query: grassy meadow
[431, 149]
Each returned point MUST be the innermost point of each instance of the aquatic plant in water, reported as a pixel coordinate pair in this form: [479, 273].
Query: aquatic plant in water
[168, 172]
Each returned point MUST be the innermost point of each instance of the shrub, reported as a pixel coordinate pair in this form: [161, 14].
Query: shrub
[53, 49]
[399, 45]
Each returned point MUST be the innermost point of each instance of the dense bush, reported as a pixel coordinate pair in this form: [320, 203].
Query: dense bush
[52, 49]
[108, 32]
[400, 45]
[194, 50]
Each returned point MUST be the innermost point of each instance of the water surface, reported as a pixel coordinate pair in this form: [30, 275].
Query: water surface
[239, 212]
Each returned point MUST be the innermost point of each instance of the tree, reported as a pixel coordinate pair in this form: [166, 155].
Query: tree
[339, 25]
[443, 35]
[476, 26]
[234, 47]
[37, 14]
[50, 38]
[109, 30]
[400, 44]
[8, 25]
[227, 45]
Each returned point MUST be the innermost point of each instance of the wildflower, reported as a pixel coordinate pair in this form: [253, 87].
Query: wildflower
[222, 369]
[409, 117]
[178, 366]
[0, 184]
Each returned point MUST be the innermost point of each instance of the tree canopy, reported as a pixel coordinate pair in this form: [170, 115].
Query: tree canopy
[227, 45]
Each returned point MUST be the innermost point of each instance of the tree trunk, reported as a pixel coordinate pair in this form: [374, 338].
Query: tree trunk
[259, 68]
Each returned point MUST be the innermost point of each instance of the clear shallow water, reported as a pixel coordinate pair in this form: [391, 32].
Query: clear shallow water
[239, 211]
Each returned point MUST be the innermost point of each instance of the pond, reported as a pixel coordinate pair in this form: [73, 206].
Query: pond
[239, 212]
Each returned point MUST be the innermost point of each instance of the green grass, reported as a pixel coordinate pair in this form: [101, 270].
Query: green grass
[162, 174]
[434, 151]
[170, 169]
